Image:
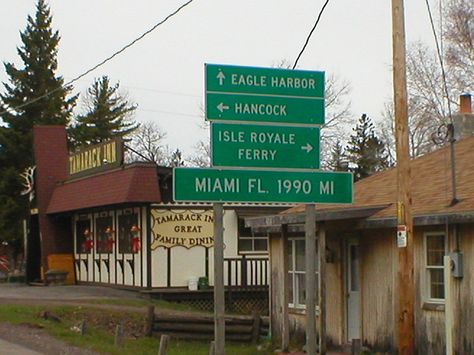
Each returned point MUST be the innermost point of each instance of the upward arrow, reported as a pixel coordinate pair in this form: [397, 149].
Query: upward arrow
[221, 77]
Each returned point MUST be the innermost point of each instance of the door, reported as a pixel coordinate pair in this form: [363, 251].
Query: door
[353, 291]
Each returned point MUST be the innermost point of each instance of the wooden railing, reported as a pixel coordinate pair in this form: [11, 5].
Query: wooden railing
[245, 271]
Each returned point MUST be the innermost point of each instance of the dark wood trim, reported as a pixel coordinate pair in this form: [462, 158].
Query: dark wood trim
[148, 248]
[168, 267]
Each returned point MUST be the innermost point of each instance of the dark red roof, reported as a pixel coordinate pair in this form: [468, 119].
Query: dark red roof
[130, 184]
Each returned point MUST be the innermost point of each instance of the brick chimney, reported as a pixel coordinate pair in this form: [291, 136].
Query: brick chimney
[464, 120]
[465, 105]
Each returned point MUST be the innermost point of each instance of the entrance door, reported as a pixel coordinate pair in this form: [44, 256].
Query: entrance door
[353, 291]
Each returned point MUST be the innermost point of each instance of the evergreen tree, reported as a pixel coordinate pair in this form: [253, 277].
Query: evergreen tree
[108, 115]
[34, 95]
[337, 161]
[366, 153]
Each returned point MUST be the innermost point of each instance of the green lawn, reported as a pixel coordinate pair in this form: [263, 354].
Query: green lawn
[101, 324]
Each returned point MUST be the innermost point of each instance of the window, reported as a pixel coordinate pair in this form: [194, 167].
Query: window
[83, 230]
[435, 249]
[126, 235]
[103, 227]
[250, 241]
[296, 272]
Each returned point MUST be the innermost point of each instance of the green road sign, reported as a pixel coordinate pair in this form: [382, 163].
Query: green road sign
[264, 94]
[219, 185]
[265, 81]
[275, 109]
[264, 146]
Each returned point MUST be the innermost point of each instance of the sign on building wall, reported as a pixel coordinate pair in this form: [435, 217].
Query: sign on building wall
[95, 158]
[185, 228]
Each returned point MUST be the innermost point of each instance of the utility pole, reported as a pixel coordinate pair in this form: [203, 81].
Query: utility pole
[406, 288]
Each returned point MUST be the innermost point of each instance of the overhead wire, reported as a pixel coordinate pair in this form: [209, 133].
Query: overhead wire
[109, 58]
[310, 34]
[441, 61]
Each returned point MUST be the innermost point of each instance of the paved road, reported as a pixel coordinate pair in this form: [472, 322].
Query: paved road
[75, 292]
[7, 348]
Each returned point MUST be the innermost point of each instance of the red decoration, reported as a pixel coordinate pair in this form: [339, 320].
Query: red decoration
[110, 239]
[88, 244]
[136, 239]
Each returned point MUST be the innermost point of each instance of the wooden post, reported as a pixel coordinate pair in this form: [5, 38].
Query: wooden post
[310, 258]
[322, 288]
[406, 322]
[150, 318]
[212, 348]
[283, 291]
[164, 341]
[83, 327]
[118, 341]
[448, 306]
[255, 327]
[219, 293]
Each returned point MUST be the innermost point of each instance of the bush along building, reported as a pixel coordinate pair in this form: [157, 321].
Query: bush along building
[361, 291]
[113, 224]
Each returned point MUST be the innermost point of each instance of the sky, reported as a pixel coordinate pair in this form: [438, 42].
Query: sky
[164, 72]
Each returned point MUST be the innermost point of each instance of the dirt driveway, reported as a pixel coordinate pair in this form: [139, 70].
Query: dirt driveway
[36, 339]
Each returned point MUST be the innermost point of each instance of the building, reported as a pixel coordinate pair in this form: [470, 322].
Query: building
[115, 224]
[361, 258]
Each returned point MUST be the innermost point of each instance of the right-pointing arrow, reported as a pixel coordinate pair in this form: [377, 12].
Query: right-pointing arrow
[308, 147]
[221, 107]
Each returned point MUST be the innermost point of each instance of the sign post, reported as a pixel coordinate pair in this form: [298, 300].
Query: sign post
[265, 140]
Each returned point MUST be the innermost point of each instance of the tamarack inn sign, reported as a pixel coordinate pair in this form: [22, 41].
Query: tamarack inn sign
[182, 228]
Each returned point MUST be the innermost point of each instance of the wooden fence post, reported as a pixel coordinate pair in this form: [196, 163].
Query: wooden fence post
[212, 348]
[150, 318]
[118, 341]
[256, 327]
[164, 340]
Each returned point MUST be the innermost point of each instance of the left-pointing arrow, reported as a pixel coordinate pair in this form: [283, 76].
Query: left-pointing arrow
[221, 107]
[308, 147]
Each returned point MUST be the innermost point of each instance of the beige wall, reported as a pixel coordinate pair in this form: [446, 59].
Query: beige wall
[379, 300]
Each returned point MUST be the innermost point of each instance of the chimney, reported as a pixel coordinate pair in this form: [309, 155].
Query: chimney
[465, 106]
[464, 120]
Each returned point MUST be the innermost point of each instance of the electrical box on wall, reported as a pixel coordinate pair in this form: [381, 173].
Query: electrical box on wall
[456, 264]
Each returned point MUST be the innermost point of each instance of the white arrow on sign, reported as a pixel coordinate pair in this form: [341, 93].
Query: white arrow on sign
[221, 77]
[308, 147]
[221, 107]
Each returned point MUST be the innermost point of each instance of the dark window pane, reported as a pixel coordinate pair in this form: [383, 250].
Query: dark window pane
[290, 288]
[83, 230]
[260, 245]
[435, 250]
[125, 224]
[245, 244]
[437, 283]
[300, 255]
[301, 286]
[290, 255]
[103, 225]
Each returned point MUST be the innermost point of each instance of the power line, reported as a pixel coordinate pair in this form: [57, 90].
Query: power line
[102, 62]
[310, 33]
[441, 62]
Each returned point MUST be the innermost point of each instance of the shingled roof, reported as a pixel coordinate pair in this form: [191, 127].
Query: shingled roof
[431, 186]
[131, 184]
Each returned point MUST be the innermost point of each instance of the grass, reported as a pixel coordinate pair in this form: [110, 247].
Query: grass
[100, 331]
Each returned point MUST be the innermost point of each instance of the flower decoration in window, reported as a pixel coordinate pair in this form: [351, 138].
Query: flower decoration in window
[88, 244]
[136, 238]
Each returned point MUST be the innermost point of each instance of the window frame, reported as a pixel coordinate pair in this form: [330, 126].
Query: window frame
[253, 237]
[291, 274]
[426, 268]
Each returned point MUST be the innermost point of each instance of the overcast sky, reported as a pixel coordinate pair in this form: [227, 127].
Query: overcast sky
[164, 72]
